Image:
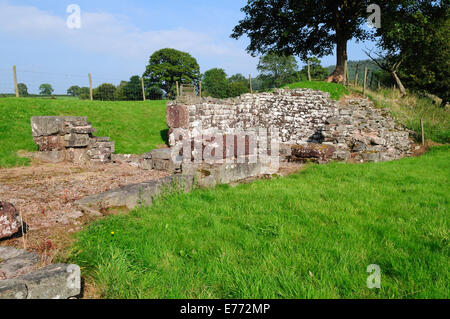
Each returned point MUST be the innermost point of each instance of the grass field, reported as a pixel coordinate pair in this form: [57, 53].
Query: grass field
[309, 235]
[136, 127]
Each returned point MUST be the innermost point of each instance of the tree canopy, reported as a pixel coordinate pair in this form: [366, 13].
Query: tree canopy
[167, 66]
[74, 90]
[415, 42]
[104, 92]
[277, 70]
[215, 83]
[304, 27]
[45, 89]
[23, 90]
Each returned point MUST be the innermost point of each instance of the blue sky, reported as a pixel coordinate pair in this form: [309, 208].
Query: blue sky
[117, 38]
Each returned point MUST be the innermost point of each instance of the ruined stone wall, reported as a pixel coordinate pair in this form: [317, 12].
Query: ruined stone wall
[354, 130]
[69, 138]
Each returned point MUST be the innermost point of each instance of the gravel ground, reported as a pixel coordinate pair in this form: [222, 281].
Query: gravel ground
[45, 193]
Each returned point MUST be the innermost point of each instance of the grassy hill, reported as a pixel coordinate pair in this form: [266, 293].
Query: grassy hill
[136, 127]
[308, 235]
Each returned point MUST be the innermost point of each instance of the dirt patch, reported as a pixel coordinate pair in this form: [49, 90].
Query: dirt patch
[44, 194]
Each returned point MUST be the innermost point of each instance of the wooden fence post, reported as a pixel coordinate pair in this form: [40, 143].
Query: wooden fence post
[356, 75]
[365, 81]
[16, 88]
[345, 72]
[309, 71]
[90, 87]
[423, 132]
[371, 79]
[250, 81]
[143, 89]
[200, 88]
[178, 90]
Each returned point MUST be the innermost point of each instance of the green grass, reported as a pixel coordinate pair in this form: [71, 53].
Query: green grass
[309, 235]
[136, 127]
[336, 90]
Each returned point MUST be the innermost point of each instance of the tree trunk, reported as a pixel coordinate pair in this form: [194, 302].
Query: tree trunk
[399, 83]
[341, 55]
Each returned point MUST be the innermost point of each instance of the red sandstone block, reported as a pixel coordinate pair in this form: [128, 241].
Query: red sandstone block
[177, 116]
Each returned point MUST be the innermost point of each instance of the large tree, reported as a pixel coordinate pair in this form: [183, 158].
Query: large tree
[167, 66]
[304, 27]
[74, 90]
[45, 89]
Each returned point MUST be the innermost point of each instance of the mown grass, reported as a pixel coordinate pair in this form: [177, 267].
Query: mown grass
[336, 90]
[410, 109]
[136, 127]
[309, 235]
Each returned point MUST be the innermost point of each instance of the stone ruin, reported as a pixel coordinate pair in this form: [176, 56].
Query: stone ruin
[311, 126]
[69, 138]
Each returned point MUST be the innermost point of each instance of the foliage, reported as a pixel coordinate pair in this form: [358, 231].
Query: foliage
[303, 28]
[215, 83]
[154, 93]
[22, 88]
[74, 90]
[293, 237]
[104, 92]
[237, 89]
[119, 94]
[277, 70]
[417, 36]
[167, 66]
[133, 89]
[45, 89]
[317, 71]
[84, 93]
[136, 127]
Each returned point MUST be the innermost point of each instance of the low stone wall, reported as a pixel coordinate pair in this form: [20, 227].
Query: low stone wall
[354, 130]
[21, 277]
[69, 138]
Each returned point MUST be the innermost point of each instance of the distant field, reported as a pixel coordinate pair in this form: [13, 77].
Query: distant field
[136, 127]
[308, 235]
[336, 90]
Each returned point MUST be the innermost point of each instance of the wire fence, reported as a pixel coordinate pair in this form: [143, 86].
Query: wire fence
[35, 83]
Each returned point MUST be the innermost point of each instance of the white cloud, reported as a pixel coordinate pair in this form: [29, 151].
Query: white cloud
[114, 35]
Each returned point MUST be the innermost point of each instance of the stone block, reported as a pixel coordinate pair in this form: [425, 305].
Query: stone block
[10, 221]
[177, 116]
[320, 153]
[54, 125]
[50, 156]
[50, 143]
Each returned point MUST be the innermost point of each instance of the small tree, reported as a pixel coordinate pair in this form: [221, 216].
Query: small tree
[105, 92]
[215, 83]
[167, 66]
[85, 93]
[74, 90]
[45, 89]
[23, 90]
[277, 70]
